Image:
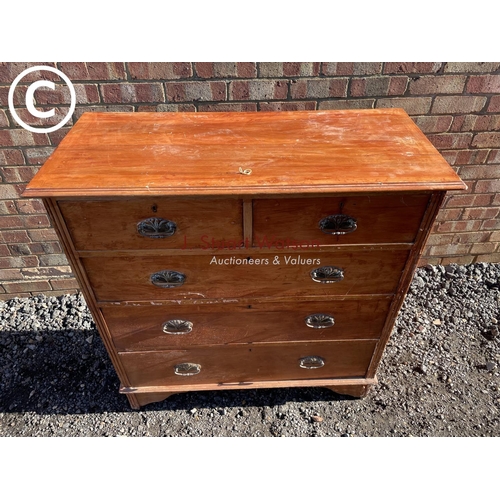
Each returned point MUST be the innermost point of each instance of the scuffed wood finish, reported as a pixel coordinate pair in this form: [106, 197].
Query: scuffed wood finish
[150, 154]
[141, 328]
[248, 320]
[380, 219]
[129, 278]
[112, 224]
[240, 364]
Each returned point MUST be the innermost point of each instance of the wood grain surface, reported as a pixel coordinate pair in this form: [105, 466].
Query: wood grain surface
[145, 154]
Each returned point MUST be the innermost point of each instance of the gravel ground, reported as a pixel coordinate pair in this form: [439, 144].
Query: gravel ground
[439, 375]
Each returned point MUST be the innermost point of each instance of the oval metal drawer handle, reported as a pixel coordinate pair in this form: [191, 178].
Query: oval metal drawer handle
[327, 274]
[338, 224]
[155, 227]
[187, 369]
[311, 362]
[168, 279]
[320, 321]
[177, 327]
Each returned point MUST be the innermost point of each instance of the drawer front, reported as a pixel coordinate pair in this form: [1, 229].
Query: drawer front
[155, 223]
[337, 220]
[234, 364]
[136, 328]
[200, 277]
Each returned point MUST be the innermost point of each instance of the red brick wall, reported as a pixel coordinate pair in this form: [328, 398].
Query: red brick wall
[457, 105]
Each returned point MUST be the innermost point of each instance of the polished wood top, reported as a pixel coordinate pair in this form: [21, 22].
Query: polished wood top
[125, 154]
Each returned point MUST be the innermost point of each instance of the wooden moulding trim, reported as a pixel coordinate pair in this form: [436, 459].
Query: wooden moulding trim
[62, 232]
[406, 278]
[250, 385]
[228, 303]
[359, 247]
[245, 190]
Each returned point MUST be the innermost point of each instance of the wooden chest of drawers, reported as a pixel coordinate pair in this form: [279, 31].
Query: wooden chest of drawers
[245, 250]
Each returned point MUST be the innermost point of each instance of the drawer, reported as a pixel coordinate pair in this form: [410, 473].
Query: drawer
[234, 364]
[199, 277]
[337, 220]
[135, 328]
[152, 223]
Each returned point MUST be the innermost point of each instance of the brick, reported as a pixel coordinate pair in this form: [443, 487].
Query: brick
[35, 248]
[18, 262]
[433, 124]
[476, 123]
[124, 93]
[480, 172]
[228, 106]
[64, 284]
[8, 192]
[13, 175]
[47, 272]
[484, 84]
[424, 261]
[467, 200]
[466, 157]
[454, 104]
[226, 70]
[47, 234]
[30, 206]
[196, 91]
[471, 67]
[347, 104]
[10, 274]
[496, 200]
[175, 108]
[38, 156]
[53, 260]
[11, 222]
[495, 236]
[440, 239]
[479, 248]
[84, 93]
[19, 97]
[10, 70]
[258, 90]
[431, 85]
[412, 105]
[7, 207]
[281, 69]
[60, 113]
[29, 286]
[288, 106]
[490, 257]
[93, 71]
[11, 157]
[487, 140]
[449, 214]
[160, 70]
[487, 186]
[411, 67]
[36, 221]
[461, 260]
[480, 213]
[459, 226]
[21, 137]
[318, 88]
[445, 250]
[378, 86]
[9, 296]
[4, 251]
[17, 236]
[471, 237]
[4, 121]
[494, 156]
[102, 109]
[494, 105]
[345, 68]
[490, 225]
[450, 141]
